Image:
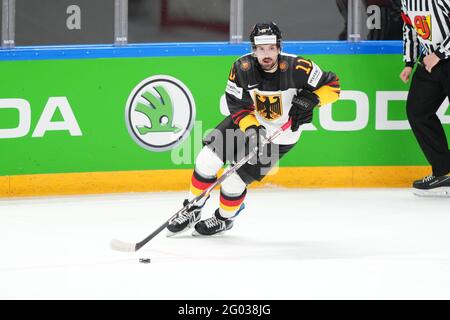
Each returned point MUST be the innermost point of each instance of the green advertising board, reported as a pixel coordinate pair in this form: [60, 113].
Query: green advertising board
[63, 116]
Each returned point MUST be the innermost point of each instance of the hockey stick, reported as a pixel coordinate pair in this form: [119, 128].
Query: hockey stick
[119, 245]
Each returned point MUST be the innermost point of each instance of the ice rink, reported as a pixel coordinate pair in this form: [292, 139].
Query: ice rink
[287, 244]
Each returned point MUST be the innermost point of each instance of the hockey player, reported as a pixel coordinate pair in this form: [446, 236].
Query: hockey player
[265, 89]
[426, 41]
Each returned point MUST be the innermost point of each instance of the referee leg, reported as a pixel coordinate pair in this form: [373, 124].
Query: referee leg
[425, 96]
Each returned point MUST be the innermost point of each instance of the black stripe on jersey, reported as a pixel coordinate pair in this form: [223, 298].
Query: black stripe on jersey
[445, 4]
[425, 49]
[404, 42]
[445, 7]
[408, 44]
[411, 45]
[420, 5]
[427, 8]
[446, 42]
[438, 19]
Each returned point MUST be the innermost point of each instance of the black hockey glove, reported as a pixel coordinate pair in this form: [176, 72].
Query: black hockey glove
[302, 107]
[255, 137]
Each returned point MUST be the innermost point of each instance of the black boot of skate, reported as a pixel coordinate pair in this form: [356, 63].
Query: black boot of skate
[432, 186]
[185, 220]
[214, 225]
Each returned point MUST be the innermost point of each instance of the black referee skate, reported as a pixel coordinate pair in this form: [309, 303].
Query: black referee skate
[185, 220]
[215, 225]
[432, 186]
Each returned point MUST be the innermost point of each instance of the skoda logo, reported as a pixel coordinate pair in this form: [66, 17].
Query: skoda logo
[160, 113]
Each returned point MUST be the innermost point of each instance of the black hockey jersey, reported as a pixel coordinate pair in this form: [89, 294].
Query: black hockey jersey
[254, 96]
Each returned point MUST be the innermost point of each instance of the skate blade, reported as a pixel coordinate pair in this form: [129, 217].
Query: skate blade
[170, 234]
[199, 235]
[218, 234]
[442, 192]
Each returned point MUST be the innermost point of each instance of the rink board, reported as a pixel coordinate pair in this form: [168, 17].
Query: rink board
[63, 126]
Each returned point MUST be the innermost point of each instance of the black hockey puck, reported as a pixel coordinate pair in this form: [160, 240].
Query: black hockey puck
[144, 260]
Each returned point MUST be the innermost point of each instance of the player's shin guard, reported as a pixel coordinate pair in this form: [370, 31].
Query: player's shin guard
[230, 206]
[232, 195]
[199, 184]
[207, 165]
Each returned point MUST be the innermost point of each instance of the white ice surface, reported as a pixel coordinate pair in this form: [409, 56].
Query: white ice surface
[287, 244]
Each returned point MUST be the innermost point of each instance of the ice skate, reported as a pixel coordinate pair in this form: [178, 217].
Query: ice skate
[214, 225]
[432, 186]
[185, 220]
